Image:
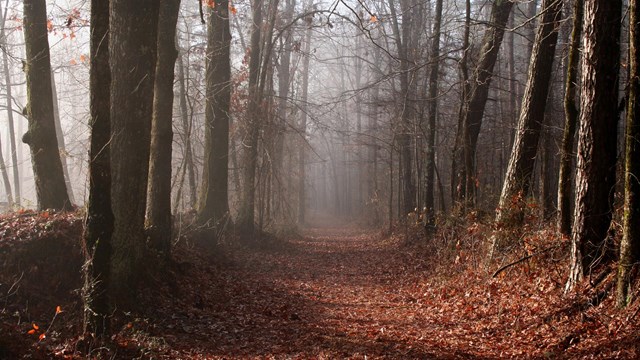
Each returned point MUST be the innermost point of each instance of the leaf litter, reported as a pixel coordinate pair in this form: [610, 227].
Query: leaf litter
[332, 292]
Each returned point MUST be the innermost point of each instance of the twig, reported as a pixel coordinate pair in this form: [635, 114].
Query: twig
[523, 259]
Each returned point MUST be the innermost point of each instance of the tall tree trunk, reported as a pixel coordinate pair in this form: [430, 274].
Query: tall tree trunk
[99, 220]
[303, 126]
[9, 102]
[464, 157]
[246, 212]
[284, 84]
[41, 136]
[521, 164]
[158, 212]
[570, 120]
[60, 139]
[213, 209]
[595, 179]
[433, 108]
[630, 244]
[133, 30]
[458, 175]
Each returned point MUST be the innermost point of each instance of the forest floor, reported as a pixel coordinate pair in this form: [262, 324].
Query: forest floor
[335, 291]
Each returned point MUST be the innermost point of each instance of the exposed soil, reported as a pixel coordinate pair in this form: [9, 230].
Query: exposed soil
[337, 291]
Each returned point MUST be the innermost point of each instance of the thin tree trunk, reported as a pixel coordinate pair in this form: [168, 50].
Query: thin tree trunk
[158, 212]
[433, 108]
[9, 100]
[186, 129]
[571, 116]
[5, 177]
[41, 136]
[60, 139]
[303, 128]
[597, 137]
[630, 244]
[99, 220]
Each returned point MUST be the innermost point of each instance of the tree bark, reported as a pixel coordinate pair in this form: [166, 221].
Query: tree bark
[432, 100]
[132, 55]
[464, 157]
[213, 208]
[521, 164]
[99, 220]
[597, 135]
[5, 177]
[41, 137]
[570, 116]
[630, 244]
[158, 212]
[60, 139]
[246, 212]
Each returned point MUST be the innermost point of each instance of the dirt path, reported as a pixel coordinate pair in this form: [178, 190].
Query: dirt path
[333, 293]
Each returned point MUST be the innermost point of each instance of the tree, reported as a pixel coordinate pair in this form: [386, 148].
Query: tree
[630, 244]
[41, 136]
[466, 143]
[595, 178]
[133, 30]
[571, 116]
[99, 220]
[433, 108]
[303, 125]
[9, 104]
[213, 207]
[532, 113]
[158, 212]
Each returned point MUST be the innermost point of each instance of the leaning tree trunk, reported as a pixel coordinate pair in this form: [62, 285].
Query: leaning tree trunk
[41, 136]
[214, 196]
[630, 244]
[133, 30]
[465, 148]
[158, 211]
[595, 179]
[433, 108]
[99, 220]
[570, 120]
[521, 165]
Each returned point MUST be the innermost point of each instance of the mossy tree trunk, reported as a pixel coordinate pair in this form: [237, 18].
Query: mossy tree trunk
[630, 245]
[51, 190]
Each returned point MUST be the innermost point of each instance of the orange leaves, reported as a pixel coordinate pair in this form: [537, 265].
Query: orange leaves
[233, 9]
[58, 309]
[211, 3]
[42, 336]
[50, 25]
[373, 19]
[35, 329]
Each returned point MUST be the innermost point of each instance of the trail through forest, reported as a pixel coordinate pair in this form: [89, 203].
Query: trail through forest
[333, 291]
[341, 291]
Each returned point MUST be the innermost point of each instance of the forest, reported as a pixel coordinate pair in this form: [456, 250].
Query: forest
[319, 179]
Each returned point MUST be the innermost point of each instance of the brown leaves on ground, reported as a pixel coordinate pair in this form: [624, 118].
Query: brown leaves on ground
[349, 293]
